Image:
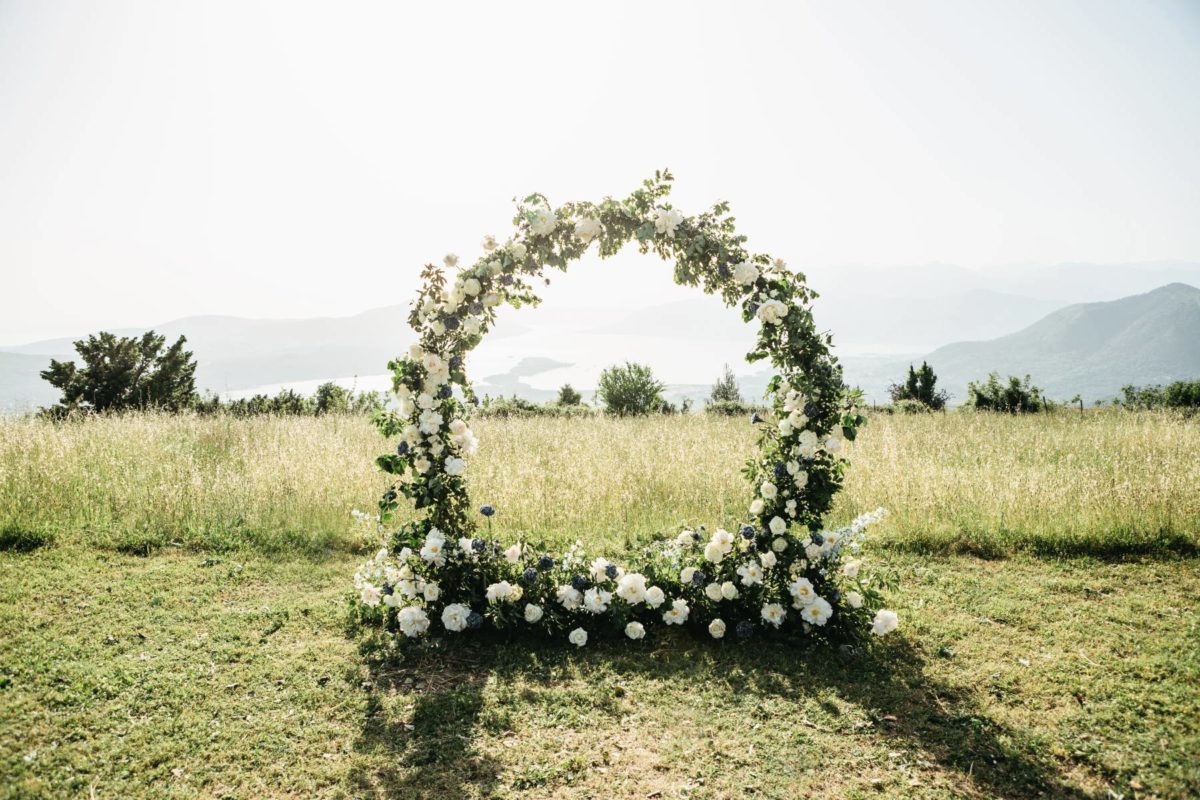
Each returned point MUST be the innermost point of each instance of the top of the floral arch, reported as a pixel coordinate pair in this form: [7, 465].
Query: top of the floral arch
[778, 554]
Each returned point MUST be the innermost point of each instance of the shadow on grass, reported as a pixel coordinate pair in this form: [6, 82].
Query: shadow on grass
[431, 747]
[1117, 546]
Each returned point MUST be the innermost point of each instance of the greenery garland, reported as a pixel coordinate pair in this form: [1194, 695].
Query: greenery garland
[436, 563]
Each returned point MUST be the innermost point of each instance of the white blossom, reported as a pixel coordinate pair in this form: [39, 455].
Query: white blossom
[666, 220]
[587, 229]
[885, 622]
[773, 614]
[635, 630]
[532, 612]
[716, 628]
[632, 588]
[745, 273]
[655, 597]
[751, 573]
[854, 599]
[569, 597]
[817, 612]
[578, 637]
[413, 621]
[454, 617]
[677, 614]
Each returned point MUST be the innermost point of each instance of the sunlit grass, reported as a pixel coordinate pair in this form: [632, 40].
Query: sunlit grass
[1096, 482]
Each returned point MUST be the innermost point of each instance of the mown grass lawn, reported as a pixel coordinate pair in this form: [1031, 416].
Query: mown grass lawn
[235, 675]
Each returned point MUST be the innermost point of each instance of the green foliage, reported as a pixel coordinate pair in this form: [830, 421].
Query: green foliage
[510, 407]
[907, 406]
[920, 386]
[328, 399]
[1180, 394]
[567, 396]
[630, 390]
[331, 399]
[1016, 397]
[122, 373]
[733, 409]
[725, 390]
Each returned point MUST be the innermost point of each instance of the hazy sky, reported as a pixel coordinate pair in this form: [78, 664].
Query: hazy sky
[162, 159]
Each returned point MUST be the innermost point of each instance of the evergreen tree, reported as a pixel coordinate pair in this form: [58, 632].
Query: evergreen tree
[121, 373]
[725, 390]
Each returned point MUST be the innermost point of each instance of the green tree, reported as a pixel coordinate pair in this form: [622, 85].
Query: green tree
[630, 390]
[725, 390]
[567, 396]
[331, 399]
[920, 385]
[121, 373]
[1014, 397]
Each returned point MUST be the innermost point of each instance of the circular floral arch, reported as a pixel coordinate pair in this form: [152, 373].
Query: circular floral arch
[794, 476]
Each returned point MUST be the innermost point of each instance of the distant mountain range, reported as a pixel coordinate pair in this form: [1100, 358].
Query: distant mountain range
[965, 323]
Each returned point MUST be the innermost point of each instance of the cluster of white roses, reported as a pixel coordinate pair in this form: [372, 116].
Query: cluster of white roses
[737, 582]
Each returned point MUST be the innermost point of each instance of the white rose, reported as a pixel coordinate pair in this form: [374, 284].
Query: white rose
[371, 595]
[850, 568]
[450, 260]
[454, 617]
[768, 490]
[543, 222]
[772, 312]
[728, 590]
[518, 251]
[455, 466]
[491, 300]
[578, 637]
[677, 614]
[415, 353]
[817, 612]
[596, 600]
[471, 287]
[716, 628]
[686, 574]
[472, 326]
[801, 480]
[756, 507]
[773, 614]
[767, 559]
[713, 590]
[569, 597]
[685, 538]
[458, 426]
[632, 588]
[745, 273]
[751, 574]
[778, 526]
[532, 613]
[489, 243]
[432, 592]
[666, 220]
[714, 552]
[513, 554]
[412, 621]
[498, 591]
[635, 630]
[587, 229]
[885, 622]
[655, 597]
[854, 599]
[779, 545]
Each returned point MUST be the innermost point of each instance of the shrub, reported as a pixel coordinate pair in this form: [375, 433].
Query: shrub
[910, 407]
[567, 396]
[733, 409]
[630, 390]
[519, 407]
[1180, 394]
[1015, 397]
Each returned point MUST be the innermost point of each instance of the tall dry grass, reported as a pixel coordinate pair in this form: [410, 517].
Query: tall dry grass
[1099, 483]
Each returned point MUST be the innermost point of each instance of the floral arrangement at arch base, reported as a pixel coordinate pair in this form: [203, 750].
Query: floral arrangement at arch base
[778, 574]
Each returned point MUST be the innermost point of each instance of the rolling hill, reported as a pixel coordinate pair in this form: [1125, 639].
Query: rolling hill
[1091, 348]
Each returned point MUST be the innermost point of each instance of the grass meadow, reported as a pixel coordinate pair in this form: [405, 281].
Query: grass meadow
[173, 618]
